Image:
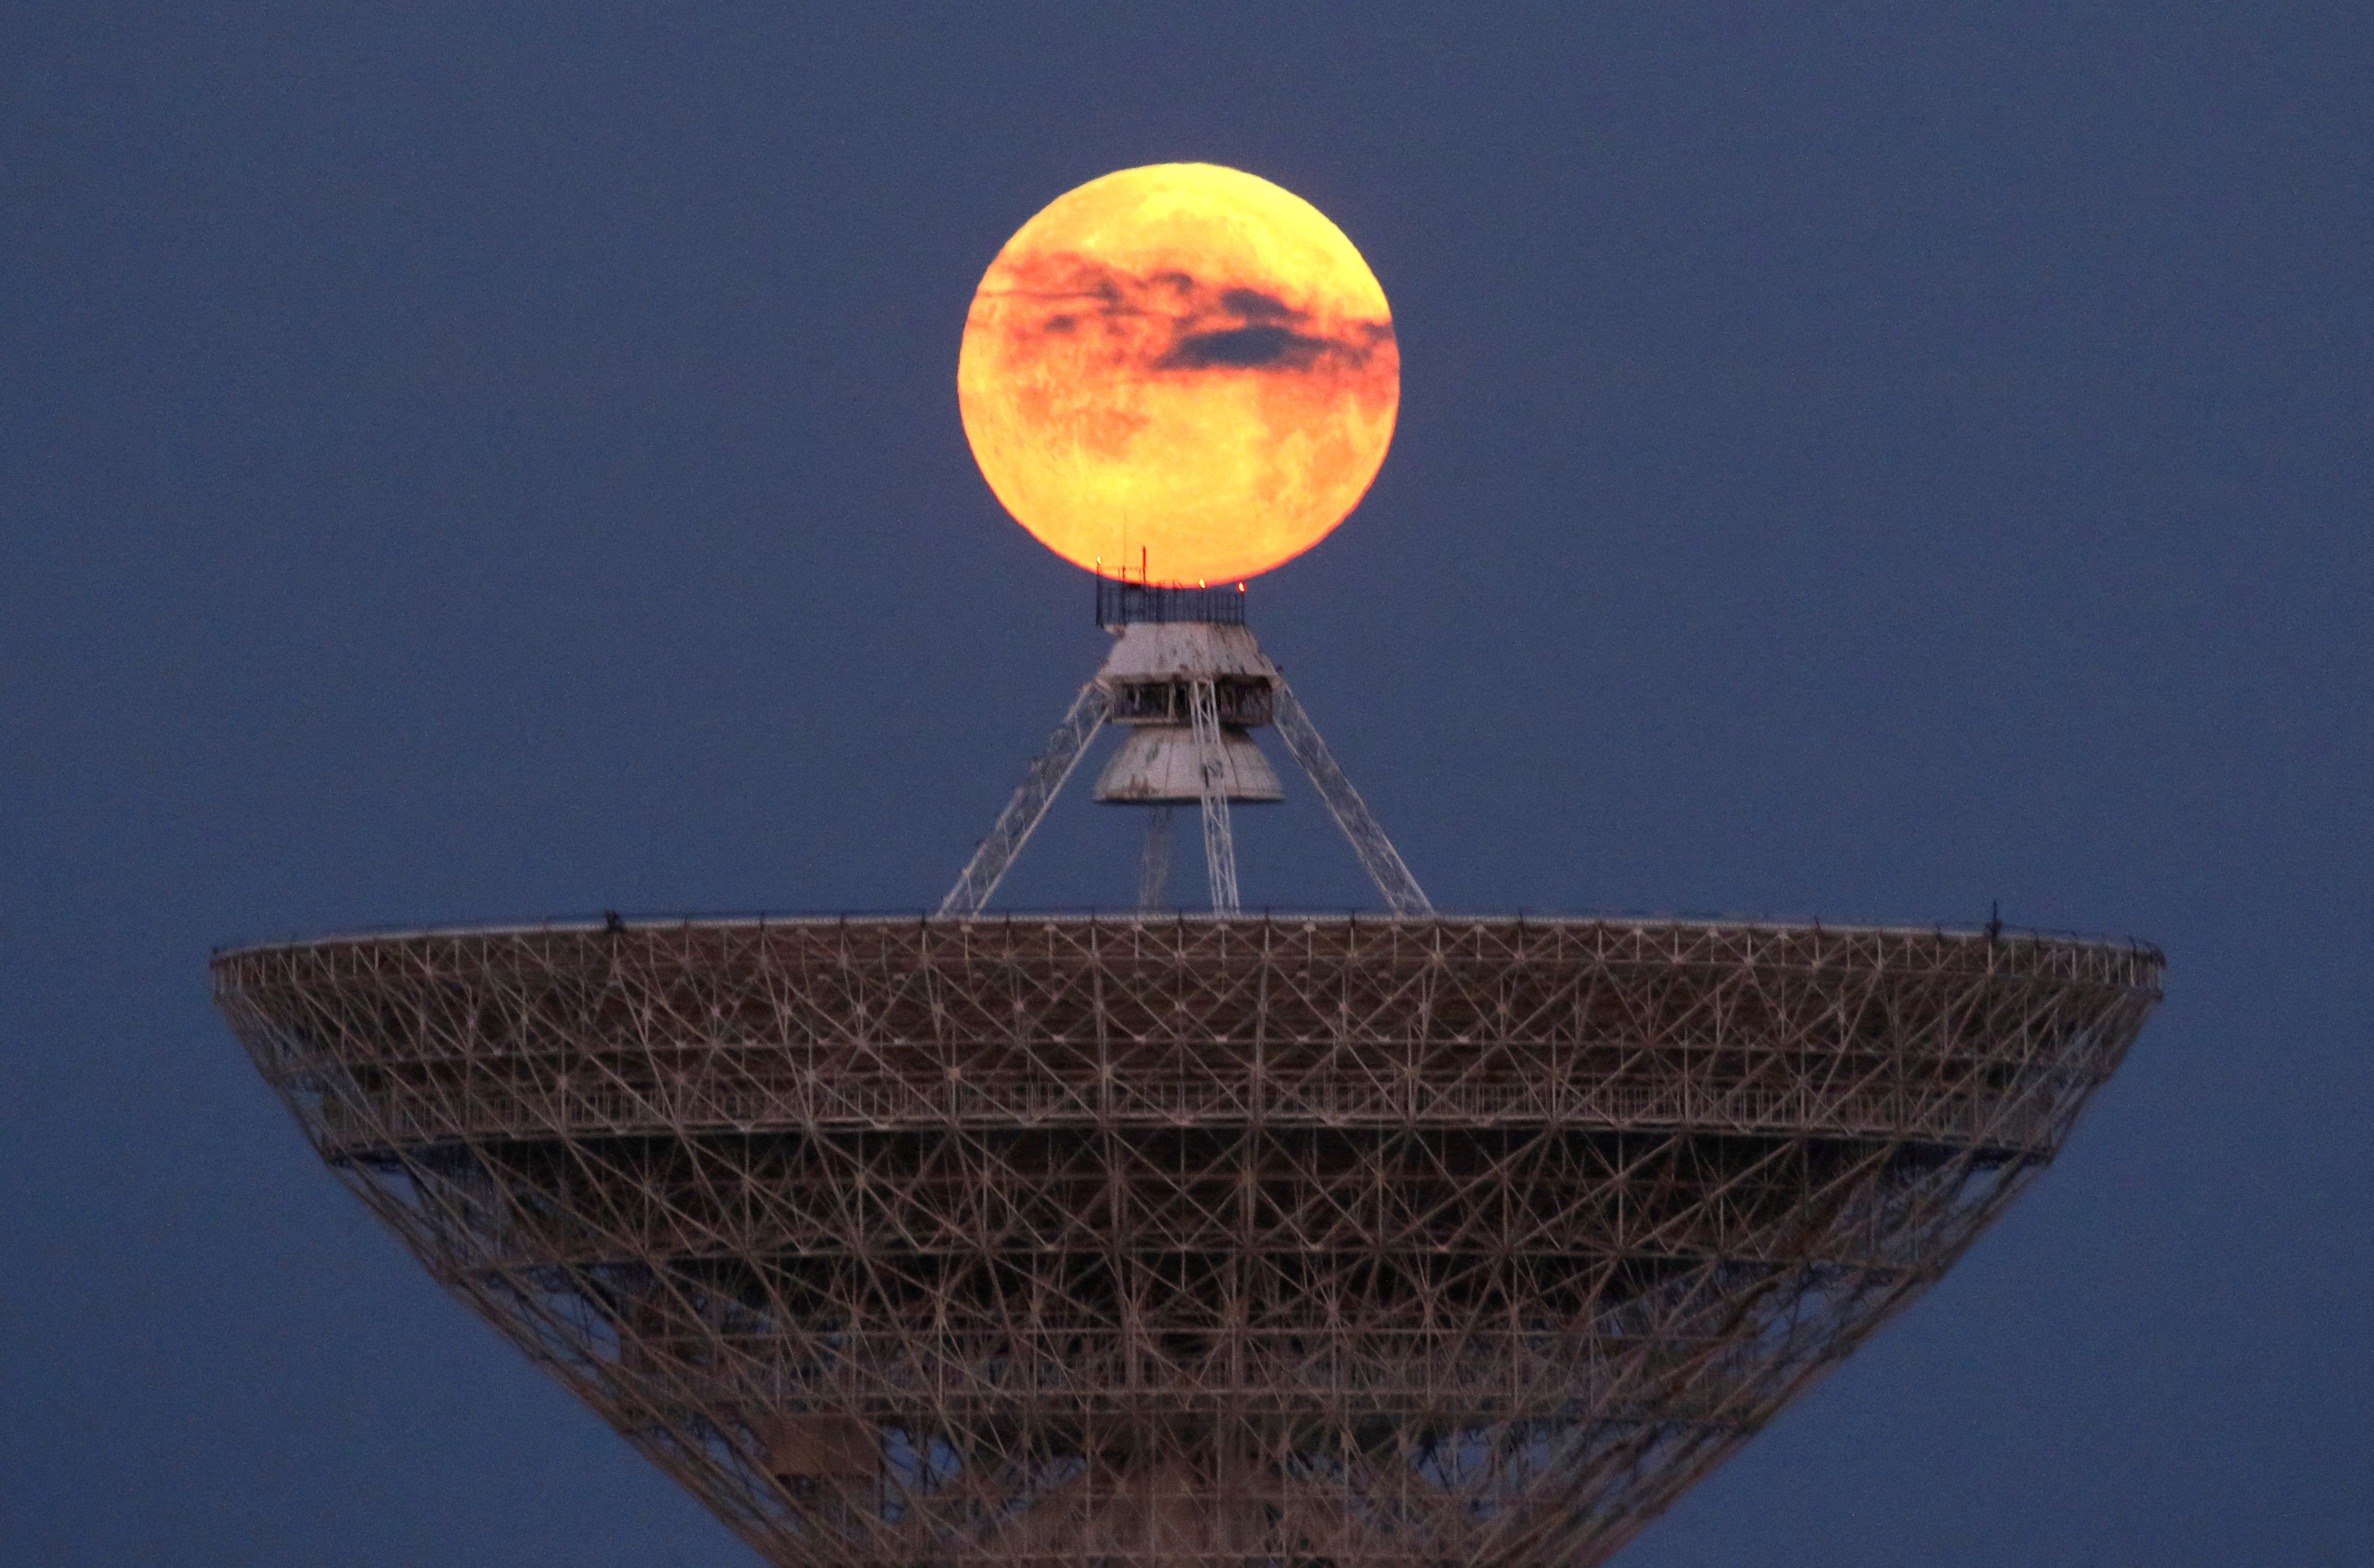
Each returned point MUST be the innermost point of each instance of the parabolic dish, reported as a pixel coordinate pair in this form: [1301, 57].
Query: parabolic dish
[1249, 1241]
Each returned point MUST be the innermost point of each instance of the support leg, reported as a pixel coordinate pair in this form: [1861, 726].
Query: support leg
[1219, 838]
[1378, 857]
[1154, 860]
[1054, 764]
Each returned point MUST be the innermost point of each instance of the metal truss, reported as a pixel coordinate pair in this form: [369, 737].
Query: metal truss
[1378, 857]
[995, 854]
[1219, 841]
[1092, 709]
[1237, 1242]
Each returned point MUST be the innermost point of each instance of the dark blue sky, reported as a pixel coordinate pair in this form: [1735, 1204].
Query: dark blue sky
[491, 461]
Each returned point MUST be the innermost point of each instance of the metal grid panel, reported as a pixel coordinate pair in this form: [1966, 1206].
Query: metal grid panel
[1188, 1240]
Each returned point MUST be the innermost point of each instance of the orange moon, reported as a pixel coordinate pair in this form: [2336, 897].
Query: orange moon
[1181, 365]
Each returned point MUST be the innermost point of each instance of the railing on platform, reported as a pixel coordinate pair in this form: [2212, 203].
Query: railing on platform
[1123, 603]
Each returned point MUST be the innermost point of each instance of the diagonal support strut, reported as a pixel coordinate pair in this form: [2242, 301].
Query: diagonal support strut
[1055, 763]
[1378, 857]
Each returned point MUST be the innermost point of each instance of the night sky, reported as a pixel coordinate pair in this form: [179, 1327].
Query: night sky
[492, 462]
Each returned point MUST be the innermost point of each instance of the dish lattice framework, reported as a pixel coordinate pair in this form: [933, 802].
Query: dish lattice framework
[1136, 1241]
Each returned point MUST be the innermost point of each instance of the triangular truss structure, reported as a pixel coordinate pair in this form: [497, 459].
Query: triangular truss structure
[1239, 1243]
[1189, 681]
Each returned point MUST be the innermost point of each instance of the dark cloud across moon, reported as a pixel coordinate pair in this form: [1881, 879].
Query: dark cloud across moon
[1171, 321]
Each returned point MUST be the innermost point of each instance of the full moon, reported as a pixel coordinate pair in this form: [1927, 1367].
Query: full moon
[1183, 370]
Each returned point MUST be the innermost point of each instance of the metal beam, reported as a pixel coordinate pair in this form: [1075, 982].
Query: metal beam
[1063, 752]
[1154, 860]
[1378, 857]
[1219, 838]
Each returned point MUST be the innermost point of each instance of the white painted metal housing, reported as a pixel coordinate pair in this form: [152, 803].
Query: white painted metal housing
[1163, 765]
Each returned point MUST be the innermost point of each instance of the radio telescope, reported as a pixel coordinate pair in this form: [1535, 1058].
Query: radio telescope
[985, 1240]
